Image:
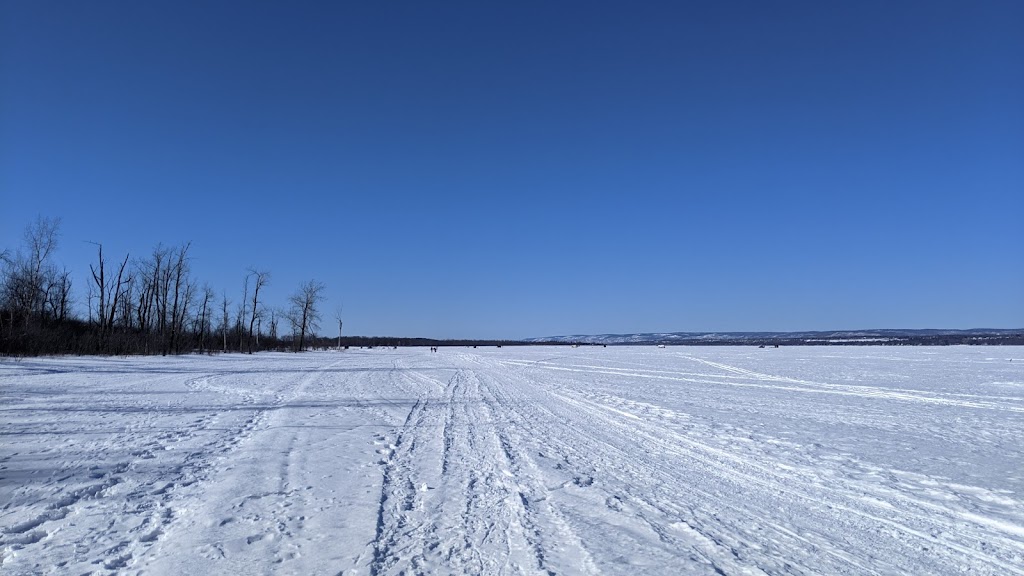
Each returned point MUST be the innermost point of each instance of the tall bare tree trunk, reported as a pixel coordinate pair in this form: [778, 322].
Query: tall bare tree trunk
[260, 279]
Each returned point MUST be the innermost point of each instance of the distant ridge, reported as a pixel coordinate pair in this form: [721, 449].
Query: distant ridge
[986, 336]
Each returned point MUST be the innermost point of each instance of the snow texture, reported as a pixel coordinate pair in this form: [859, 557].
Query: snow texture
[537, 460]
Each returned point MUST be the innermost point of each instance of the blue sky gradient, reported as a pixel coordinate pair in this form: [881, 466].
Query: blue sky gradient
[466, 169]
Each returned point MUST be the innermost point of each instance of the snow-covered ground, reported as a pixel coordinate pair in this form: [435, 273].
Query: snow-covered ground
[517, 460]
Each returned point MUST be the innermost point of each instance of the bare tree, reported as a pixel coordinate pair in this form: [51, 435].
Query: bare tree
[108, 293]
[148, 309]
[225, 319]
[60, 304]
[8, 261]
[30, 279]
[241, 313]
[204, 316]
[126, 312]
[337, 316]
[145, 305]
[41, 240]
[183, 291]
[274, 314]
[304, 314]
[259, 280]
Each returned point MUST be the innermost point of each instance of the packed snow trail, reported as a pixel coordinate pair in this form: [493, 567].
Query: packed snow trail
[539, 460]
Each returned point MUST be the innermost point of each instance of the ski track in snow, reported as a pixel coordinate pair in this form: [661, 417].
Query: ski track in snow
[537, 460]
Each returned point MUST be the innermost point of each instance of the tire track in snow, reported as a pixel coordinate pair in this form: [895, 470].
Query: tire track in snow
[459, 496]
[792, 385]
[436, 508]
[508, 467]
[397, 495]
[597, 465]
[724, 468]
[842, 499]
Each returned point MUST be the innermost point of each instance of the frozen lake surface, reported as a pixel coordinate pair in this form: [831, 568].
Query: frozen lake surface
[539, 460]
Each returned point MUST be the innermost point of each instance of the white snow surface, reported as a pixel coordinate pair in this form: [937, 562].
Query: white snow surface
[534, 460]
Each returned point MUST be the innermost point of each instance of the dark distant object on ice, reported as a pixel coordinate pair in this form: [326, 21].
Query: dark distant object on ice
[885, 337]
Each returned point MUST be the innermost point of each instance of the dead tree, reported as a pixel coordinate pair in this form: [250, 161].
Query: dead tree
[61, 302]
[183, 289]
[304, 314]
[274, 314]
[225, 319]
[108, 293]
[259, 279]
[241, 313]
[337, 316]
[204, 316]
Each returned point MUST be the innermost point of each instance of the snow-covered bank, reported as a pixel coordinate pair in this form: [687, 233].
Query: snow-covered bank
[517, 460]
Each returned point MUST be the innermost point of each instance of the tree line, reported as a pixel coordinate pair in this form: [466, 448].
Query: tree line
[151, 304]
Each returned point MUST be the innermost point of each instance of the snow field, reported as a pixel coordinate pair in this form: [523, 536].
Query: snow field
[538, 460]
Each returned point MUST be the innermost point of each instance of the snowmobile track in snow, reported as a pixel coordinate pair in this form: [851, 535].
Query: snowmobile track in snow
[539, 460]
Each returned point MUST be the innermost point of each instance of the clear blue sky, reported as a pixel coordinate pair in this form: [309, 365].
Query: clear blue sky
[516, 169]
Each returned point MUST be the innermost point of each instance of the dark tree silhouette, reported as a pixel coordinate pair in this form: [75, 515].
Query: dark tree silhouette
[304, 314]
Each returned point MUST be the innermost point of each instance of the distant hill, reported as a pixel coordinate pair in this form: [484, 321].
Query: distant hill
[839, 337]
